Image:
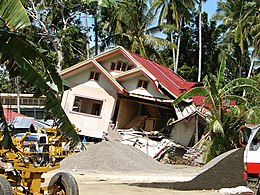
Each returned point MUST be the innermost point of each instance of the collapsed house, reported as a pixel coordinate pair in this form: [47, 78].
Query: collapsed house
[119, 89]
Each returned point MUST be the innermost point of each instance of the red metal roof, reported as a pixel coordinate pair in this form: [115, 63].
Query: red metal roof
[169, 79]
[173, 82]
[9, 115]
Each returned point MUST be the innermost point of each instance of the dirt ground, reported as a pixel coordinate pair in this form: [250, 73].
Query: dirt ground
[223, 172]
[101, 188]
[99, 183]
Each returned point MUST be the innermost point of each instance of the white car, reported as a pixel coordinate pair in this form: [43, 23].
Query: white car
[252, 159]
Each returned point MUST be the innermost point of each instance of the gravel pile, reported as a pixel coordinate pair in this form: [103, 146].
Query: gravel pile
[112, 156]
[226, 173]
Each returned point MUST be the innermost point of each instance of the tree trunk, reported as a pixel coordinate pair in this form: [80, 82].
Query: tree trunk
[178, 46]
[173, 53]
[59, 56]
[87, 36]
[96, 31]
[200, 41]
[178, 53]
[251, 67]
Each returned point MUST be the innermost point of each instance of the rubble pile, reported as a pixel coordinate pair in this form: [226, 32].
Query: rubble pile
[226, 173]
[112, 156]
[148, 142]
[162, 149]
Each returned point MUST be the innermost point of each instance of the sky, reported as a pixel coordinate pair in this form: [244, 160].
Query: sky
[210, 6]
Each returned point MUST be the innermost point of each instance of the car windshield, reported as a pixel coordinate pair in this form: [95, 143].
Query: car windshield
[255, 143]
[31, 138]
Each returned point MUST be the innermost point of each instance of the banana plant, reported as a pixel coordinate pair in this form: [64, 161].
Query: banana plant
[21, 58]
[217, 96]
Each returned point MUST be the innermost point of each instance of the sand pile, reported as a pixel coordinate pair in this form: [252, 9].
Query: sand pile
[112, 156]
[225, 173]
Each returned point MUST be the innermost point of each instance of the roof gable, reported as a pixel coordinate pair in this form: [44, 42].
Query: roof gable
[80, 67]
[171, 81]
[160, 75]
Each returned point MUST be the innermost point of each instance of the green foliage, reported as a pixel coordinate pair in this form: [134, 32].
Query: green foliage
[18, 56]
[188, 60]
[14, 20]
[58, 28]
[254, 99]
[128, 24]
[5, 84]
[238, 21]
[224, 119]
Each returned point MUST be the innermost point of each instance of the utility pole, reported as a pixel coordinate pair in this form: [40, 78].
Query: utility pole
[18, 91]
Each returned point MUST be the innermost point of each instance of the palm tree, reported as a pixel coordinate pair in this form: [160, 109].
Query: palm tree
[200, 37]
[128, 26]
[223, 122]
[176, 13]
[22, 58]
[94, 9]
[238, 17]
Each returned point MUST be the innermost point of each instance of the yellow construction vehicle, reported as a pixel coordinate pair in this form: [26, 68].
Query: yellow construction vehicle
[21, 169]
[60, 147]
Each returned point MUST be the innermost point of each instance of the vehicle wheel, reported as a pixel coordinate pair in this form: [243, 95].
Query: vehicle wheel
[258, 189]
[5, 186]
[64, 184]
[255, 187]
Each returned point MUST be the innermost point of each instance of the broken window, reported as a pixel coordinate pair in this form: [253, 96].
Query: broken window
[142, 84]
[94, 76]
[87, 106]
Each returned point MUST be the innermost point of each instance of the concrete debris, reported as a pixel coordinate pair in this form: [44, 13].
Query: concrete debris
[160, 148]
[237, 190]
[151, 143]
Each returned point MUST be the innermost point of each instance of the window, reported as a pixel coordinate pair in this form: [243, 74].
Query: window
[3, 101]
[96, 109]
[30, 101]
[94, 76]
[123, 67]
[13, 101]
[113, 66]
[87, 106]
[142, 84]
[120, 66]
[42, 101]
[255, 143]
[35, 101]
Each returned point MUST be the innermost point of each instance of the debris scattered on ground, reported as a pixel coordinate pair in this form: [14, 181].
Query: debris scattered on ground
[160, 148]
[236, 190]
[227, 173]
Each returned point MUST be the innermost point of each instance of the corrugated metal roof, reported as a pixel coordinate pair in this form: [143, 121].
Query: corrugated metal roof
[20, 122]
[168, 79]
[10, 115]
[172, 81]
